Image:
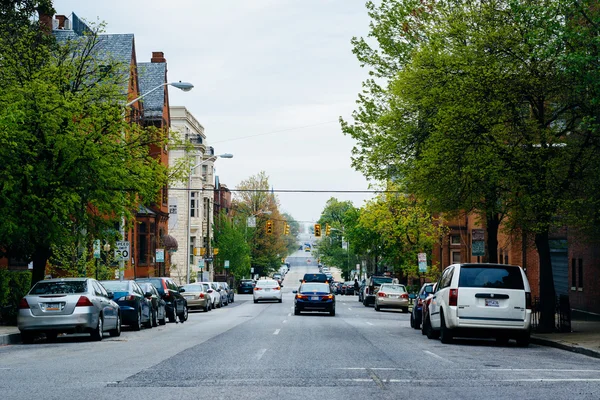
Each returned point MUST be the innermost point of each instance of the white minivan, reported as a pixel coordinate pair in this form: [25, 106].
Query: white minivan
[483, 300]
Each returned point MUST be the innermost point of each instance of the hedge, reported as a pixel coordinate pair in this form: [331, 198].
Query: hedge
[13, 286]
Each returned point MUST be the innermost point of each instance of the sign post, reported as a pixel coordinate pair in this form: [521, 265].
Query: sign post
[422, 257]
[478, 242]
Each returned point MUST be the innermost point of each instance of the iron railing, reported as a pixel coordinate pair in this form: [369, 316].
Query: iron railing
[562, 314]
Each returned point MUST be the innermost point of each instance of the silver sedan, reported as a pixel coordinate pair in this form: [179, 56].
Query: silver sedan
[68, 305]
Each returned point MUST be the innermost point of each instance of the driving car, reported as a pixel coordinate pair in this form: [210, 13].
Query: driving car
[314, 278]
[68, 305]
[348, 288]
[391, 295]
[372, 285]
[267, 289]
[246, 286]
[416, 316]
[197, 297]
[483, 300]
[159, 313]
[314, 296]
[175, 303]
[136, 309]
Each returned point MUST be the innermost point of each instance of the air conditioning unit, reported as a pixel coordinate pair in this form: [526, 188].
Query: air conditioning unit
[68, 25]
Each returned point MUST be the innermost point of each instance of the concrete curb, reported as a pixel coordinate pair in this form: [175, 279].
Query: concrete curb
[11, 338]
[564, 346]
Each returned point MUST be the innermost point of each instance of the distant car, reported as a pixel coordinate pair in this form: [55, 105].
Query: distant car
[68, 305]
[314, 296]
[348, 288]
[391, 295]
[337, 287]
[230, 292]
[372, 285]
[278, 278]
[246, 286]
[197, 297]
[215, 295]
[159, 313]
[136, 309]
[416, 317]
[175, 303]
[267, 289]
[223, 289]
[314, 278]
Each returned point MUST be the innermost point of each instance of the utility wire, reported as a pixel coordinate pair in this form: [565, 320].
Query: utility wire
[291, 190]
[272, 132]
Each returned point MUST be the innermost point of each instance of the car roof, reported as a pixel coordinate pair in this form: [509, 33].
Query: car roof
[64, 279]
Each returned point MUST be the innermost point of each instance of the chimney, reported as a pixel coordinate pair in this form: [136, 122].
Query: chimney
[46, 22]
[158, 57]
[61, 21]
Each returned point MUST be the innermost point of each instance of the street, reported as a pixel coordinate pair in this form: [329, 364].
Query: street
[263, 351]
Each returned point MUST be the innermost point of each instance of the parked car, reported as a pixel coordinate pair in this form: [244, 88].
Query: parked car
[246, 286]
[175, 303]
[267, 289]
[372, 285]
[425, 326]
[223, 289]
[484, 300]
[159, 313]
[230, 292]
[337, 287]
[278, 278]
[197, 296]
[136, 309]
[416, 315]
[314, 296]
[391, 295]
[348, 288]
[215, 295]
[68, 305]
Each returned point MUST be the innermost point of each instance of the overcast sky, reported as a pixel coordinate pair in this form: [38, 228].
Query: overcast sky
[258, 66]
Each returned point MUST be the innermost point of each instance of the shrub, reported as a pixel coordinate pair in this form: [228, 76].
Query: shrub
[13, 286]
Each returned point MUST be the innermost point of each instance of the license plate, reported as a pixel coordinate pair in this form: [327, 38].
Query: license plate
[188, 297]
[267, 290]
[492, 303]
[395, 297]
[315, 298]
[52, 306]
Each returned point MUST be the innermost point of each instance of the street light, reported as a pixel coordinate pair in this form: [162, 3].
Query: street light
[185, 86]
[189, 219]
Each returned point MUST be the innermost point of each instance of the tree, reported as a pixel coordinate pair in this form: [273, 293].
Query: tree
[230, 240]
[72, 164]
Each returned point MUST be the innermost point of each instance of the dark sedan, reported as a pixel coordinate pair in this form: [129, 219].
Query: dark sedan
[246, 286]
[136, 309]
[175, 303]
[313, 296]
[159, 313]
[416, 317]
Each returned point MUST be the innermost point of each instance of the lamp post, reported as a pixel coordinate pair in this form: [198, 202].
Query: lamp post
[189, 211]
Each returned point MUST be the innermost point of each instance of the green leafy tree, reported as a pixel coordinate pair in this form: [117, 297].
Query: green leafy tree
[230, 240]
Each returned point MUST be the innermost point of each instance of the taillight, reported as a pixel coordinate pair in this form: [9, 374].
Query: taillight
[420, 302]
[453, 297]
[527, 300]
[329, 297]
[23, 304]
[404, 295]
[300, 296]
[257, 288]
[84, 302]
[276, 288]
[367, 291]
[201, 296]
[381, 294]
[129, 297]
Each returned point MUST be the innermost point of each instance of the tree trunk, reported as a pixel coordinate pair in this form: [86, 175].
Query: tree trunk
[40, 259]
[547, 293]
[492, 224]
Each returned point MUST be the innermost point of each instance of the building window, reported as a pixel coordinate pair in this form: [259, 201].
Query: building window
[192, 246]
[573, 274]
[580, 286]
[204, 171]
[455, 257]
[506, 258]
[455, 239]
[194, 206]
[143, 242]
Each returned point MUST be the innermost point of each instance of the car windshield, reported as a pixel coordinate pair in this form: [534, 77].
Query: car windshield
[314, 287]
[193, 288]
[62, 287]
[500, 277]
[246, 284]
[380, 280]
[392, 288]
[157, 283]
[116, 286]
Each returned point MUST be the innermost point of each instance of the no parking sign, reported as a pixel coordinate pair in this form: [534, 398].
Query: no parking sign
[122, 251]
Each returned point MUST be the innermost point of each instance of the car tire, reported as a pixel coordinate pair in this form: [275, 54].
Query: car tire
[412, 321]
[27, 337]
[332, 313]
[232, 298]
[117, 331]
[98, 333]
[138, 322]
[524, 339]
[405, 310]
[154, 318]
[163, 321]
[255, 301]
[377, 308]
[173, 315]
[184, 316]
[445, 333]
[296, 311]
[280, 300]
[206, 306]
[429, 331]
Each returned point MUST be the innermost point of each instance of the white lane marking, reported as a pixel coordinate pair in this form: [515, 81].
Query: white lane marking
[284, 321]
[552, 380]
[368, 323]
[276, 332]
[260, 353]
[289, 314]
[436, 356]
[475, 369]
[349, 309]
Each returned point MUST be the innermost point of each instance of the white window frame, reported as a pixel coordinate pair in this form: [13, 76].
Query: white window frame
[194, 209]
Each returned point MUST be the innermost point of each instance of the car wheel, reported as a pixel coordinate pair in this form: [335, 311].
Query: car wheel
[412, 321]
[154, 318]
[27, 337]
[429, 331]
[255, 301]
[183, 317]
[523, 339]
[138, 322]
[296, 311]
[377, 308]
[98, 333]
[163, 320]
[445, 333]
[405, 310]
[51, 336]
[232, 298]
[173, 314]
[206, 306]
[117, 331]
[280, 300]
[332, 313]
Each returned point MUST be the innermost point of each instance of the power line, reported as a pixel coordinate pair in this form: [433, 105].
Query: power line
[292, 190]
[272, 132]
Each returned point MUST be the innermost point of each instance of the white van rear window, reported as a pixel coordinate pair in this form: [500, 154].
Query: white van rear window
[500, 277]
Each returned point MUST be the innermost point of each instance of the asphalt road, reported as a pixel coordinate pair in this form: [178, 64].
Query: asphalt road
[263, 351]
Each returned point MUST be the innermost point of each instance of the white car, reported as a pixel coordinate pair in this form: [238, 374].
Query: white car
[215, 296]
[485, 300]
[267, 289]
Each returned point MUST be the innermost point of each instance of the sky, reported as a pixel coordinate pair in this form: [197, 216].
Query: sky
[271, 79]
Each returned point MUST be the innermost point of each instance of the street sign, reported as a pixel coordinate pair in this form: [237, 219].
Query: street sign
[251, 222]
[97, 248]
[226, 264]
[422, 257]
[478, 242]
[160, 255]
[122, 251]
[201, 263]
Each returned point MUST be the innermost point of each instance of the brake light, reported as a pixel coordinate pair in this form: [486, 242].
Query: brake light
[276, 288]
[453, 297]
[84, 302]
[23, 304]
[300, 296]
[420, 302]
[257, 288]
[404, 295]
[330, 296]
[381, 294]
[201, 296]
[367, 291]
[527, 300]
[129, 297]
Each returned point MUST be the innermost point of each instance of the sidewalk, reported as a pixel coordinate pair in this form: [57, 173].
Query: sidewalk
[9, 335]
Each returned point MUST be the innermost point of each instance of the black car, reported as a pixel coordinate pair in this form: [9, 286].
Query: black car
[416, 317]
[159, 313]
[322, 278]
[136, 309]
[175, 303]
[314, 296]
[246, 286]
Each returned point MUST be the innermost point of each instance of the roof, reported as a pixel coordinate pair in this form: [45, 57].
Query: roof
[152, 75]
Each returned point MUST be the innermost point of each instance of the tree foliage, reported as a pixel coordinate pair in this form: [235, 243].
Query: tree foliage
[230, 240]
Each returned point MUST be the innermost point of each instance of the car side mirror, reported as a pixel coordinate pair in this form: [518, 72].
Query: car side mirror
[218, 290]
[110, 295]
[209, 291]
[294, 291]
[181, 290]
[148, 295]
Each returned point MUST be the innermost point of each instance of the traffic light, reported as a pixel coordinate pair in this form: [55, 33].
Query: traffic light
[317, 230]
[286, 229]
[327, 230]
[269, 227]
